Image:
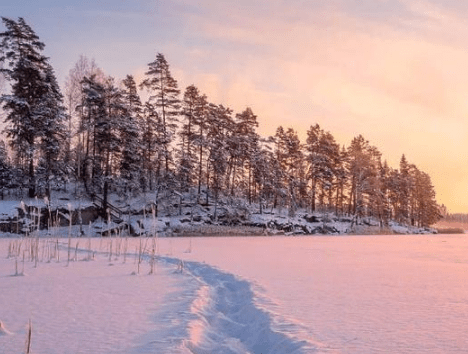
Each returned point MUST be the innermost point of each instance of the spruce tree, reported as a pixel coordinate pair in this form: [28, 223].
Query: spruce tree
[34, 92]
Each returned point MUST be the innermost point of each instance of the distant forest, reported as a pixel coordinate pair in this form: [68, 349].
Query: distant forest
[96, 133]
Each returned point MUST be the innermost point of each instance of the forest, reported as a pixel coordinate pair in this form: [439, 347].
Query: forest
[97, 134]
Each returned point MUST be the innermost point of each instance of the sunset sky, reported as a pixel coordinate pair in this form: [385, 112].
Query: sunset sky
[394, 71]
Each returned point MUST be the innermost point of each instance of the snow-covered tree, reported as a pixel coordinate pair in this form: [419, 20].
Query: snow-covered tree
[217, 147]
[164, 96]
[192, 108]
[77, 131]
[404, 185]
[6, 171]
[362, 166]
[34, 104]
[151, 144]
[426, 210]
[341, 178]
[291, 159]
[94, 108]
[130, 128]
[265, 173]
[246, 142]
[53, 134]
[322, 157]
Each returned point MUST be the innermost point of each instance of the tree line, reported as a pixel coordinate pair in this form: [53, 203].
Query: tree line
[100, 135]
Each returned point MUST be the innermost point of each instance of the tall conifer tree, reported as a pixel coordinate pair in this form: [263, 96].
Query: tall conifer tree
[35, 97]
[164, 95]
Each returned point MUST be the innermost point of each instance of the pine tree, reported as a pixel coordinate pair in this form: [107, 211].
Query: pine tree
[341, 177]
[191, 111]
[422, 207]
[247, 144]
[78, 129]
[200, 140]
[375, 187]
[164, 95]
[6, 172]
[385, 213]
[291, 159]
[427, 211]
[107, 121]
[151, 144]
[363, 170]
[130, 163]
[280, 178]
[264, 173]
[217, 132]
[52, 134]
[322, 158]
[109, 125]
[94, 110]
[402, 213]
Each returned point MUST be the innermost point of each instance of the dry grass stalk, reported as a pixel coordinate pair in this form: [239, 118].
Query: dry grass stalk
[28, 338]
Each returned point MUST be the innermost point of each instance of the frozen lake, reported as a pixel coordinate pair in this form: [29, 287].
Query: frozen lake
[240, 295]
[352, 294]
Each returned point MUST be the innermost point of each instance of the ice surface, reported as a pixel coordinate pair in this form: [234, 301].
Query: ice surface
[345, 294]
[353, 294]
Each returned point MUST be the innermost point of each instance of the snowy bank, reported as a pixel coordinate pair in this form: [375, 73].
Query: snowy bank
[140, 216]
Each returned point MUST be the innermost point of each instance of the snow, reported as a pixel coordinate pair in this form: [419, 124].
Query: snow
[230, 320]
[93, 306]
[323, 294]
[352, 294]
[8, 209]
[101, 301]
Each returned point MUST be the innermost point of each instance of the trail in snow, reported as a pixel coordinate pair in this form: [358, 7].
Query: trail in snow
[98, 306]
[228, 320]
[222, 318]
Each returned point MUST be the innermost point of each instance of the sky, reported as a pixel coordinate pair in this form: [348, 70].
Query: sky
[394, 71]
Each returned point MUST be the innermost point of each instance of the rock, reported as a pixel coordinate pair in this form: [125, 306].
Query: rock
[311, 218]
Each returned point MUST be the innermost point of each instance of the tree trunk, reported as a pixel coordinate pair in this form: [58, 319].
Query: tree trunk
[32, 182]
[313, 194]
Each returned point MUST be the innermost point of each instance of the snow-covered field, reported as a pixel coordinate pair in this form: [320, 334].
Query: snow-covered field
[349, 294]
[92, 306]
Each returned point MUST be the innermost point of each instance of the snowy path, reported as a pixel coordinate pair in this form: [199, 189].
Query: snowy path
[229, 321]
